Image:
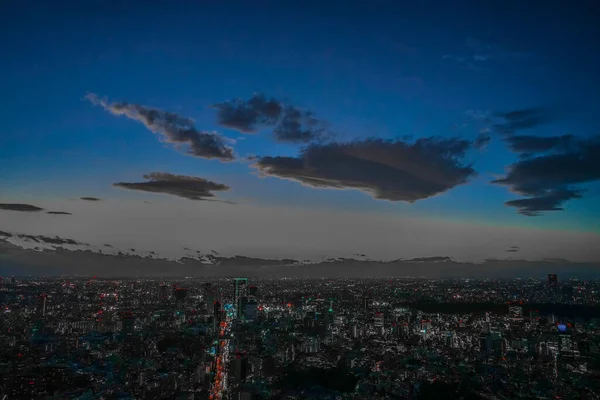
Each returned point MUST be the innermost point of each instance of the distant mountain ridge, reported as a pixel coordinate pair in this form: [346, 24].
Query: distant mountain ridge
[60, 257]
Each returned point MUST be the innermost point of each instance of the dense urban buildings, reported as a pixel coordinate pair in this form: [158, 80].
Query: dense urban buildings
[290, 339]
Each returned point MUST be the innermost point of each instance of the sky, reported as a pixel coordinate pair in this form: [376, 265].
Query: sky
[307, 129]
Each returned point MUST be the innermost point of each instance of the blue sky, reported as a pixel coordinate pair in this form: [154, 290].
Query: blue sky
[369, 69]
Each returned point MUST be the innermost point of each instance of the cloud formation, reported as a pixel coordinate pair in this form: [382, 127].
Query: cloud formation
[19, 207]
[527, 145]
[388, 170]
[550, 170]
[512, 249]
[41, 238]
[90, 198]
[48, 239]
[245, 115]
[482, 140]
[173, 128]
[508, 123]
[59, 213]
[299, 126]
[188, 187]
[290, 123]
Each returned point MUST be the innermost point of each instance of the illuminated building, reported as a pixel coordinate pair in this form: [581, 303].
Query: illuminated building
[367, 302]
[425, 327]
[240, 295]
[565, 341]
[251, 310]
[379, 322]
[553, 282]
[515, 311]
[42, 299]
[534, 315]
[210, 295]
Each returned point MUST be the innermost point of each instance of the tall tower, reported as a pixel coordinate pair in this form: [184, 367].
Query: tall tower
[128, 322]
[42, 304]
[553, 282]
[240, 295]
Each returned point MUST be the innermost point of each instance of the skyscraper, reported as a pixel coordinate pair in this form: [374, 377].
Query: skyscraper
[253, 291]
[42, 299]
[128, 322]
[515, 311]
[553, 281]
[240, 295]
[210, 295]
[180, 294]
[164, 292]
[378, 322]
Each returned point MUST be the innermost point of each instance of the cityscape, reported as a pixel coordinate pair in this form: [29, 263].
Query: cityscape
[241, 338]
[289, 200]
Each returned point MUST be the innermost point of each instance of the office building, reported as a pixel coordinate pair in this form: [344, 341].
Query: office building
[240, 295]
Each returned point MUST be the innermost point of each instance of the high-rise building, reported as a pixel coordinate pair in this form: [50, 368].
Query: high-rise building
[128, 322]
[252, 291]
[534, 315]
[515, 311]
[217, 312]
[553, 282]
[425, 328]
[378, 322]
[42, 301]
[180, 294]
[164, 292]
[240, 367]
[210, 295]
[367, 302]
[240, 295]
[251, 309]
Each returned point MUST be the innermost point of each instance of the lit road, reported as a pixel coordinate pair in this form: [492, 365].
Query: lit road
[221, 359]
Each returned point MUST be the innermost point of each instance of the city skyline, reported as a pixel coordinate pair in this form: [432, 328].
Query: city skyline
[383, 132]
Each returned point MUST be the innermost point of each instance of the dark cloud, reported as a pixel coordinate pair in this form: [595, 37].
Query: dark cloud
[549, 173]
[59, 213]
[19, 207]
[174, 128]
[389, 170]
[482, 140]
[549, 201]
[430, 259]
[245, 115]
[48, 239]
[42, 239]
[90, 198]
[510, 122]
[528, 145]
[189, 187]
[291, 124]
[299, 126]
